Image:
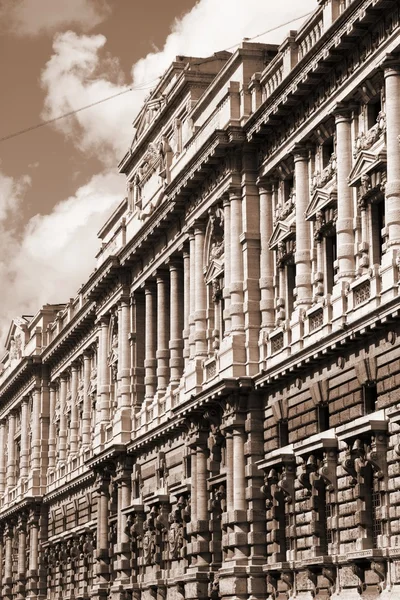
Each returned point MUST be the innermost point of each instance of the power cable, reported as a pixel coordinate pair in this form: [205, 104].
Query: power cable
[138, 88]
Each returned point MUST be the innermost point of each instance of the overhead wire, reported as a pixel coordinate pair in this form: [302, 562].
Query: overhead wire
[143, 86]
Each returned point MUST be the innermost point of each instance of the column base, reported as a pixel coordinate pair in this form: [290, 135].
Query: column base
[389, 272]
[232, 355]
[297, 329]
[339, 304]
[194, 376]
[122, 426]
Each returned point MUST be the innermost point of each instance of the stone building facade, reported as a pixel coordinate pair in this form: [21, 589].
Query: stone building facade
[216, 414]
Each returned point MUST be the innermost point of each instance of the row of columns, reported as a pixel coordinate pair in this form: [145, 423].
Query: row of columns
[345, 208]
[26, 574]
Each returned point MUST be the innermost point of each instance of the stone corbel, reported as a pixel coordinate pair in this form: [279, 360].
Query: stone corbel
[327, 470]
[288, 579]
[379, 567]
[366, 370]
[376, 455]
[270, 487]
[359, 571]
[320, 392]
[309, 473]
[330, 573]
[354, 461]
[286, 482]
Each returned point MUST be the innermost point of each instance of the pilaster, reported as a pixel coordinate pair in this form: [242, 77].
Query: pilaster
[391, 257]
[345, 216]
[267, 301]
[122, 417]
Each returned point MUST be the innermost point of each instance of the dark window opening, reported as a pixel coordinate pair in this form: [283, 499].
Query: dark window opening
[370, 397]
[288, 539]
[323, 417]
[283, 433]
[328, 514]
[291, 284]
[327, 151]
[331, 257]
[377, 224]
[374, 107]
[376, 505]
[288, 187]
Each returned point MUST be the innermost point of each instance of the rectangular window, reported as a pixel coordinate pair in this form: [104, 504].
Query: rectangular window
[373, 110]
[370, 397]
[377, 225]
[283, 433]
[323, 417]
[291, 284]
[376, 521]
[330, 258]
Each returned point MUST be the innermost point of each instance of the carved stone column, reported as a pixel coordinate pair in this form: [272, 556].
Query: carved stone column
[151, 341]
[87, 408]
[104, 373]
[8, 562]
[177, 314]
[62, 442]
[200, 293]
[267, 302]
[124, 353]
[236, 270]
[303, 233]
[192, 294]
[2, 456]
[186, 303]
[123, 549]
[11, 452]
[392, 191]
[52, 426]
[36, 474]
[345, 214]
[227, 269]
[163, 323]
[122, 417]
[74, 410]
[21, 571]
[102, 545]
[24, 454]
[391, 258]
[33, 572]
[344, 224]
[198, 548]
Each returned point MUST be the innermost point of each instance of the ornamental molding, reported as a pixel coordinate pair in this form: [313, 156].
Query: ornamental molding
[367, 163]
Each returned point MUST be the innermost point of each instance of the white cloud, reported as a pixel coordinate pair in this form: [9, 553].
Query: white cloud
[77, 74]
[74, 77]
[28, 17]
[55, 253]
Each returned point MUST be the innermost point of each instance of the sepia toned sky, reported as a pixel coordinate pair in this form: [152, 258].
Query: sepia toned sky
[59, 182]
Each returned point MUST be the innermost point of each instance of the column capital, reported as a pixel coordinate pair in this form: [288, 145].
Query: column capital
[174, 262]
[300, 152]
[199, 226]
[264, 184]
[235, 192]
[342, 111]
[391, 65]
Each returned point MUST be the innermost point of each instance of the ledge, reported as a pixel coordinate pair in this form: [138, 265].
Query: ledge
[325, 439]
[276, 457]
[376, 421]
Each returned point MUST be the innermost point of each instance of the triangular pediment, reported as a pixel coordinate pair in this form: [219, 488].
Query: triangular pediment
[282, 231]
[214, 269]
[366, 162]
[320, 200]
[150, 111]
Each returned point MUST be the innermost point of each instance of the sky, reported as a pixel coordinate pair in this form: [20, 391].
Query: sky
[59, 183]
